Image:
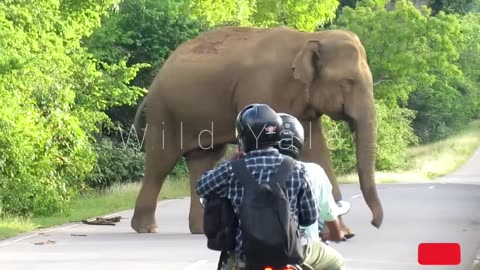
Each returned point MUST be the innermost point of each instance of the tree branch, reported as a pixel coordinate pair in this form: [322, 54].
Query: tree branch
[382, 80]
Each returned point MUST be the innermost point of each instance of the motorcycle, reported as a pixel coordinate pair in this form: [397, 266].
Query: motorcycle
[344, 208]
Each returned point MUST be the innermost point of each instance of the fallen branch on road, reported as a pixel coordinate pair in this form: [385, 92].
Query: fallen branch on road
[103, 221]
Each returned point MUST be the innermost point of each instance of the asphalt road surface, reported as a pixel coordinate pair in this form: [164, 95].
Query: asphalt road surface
[447, 210]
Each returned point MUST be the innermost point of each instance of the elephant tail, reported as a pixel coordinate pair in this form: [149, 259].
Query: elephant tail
[139, 131]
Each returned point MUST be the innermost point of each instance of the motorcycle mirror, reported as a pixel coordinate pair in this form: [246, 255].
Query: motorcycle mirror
[203, 202]
[343, 207]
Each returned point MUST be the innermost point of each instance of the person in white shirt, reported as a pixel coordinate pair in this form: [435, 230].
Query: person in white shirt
[291, 145]
[329, 210]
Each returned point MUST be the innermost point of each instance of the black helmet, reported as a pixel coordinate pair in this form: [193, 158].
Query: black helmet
[258, 126]
[292, 136]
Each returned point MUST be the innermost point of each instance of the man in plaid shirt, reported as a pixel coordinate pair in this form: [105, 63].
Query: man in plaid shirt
[258, 131]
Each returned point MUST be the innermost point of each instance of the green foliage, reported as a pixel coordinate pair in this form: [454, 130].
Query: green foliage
[449, 104]
[120, 162]
[52, 95]
[340, 141]
[450, 6]
[28, 182]
[417, 65]
[424, 74]
[304, 15]
[116, 163]
[218, 12]
[144, 32]
[469, 62]
[419, 52]
[394, 135]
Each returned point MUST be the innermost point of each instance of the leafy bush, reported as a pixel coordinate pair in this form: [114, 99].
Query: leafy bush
[144, 32]
[423, 67]
[394, 135]
[52, 96]
[32, 166]
[123, 162]
[116, 163]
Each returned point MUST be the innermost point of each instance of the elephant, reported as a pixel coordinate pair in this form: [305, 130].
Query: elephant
[192, 103]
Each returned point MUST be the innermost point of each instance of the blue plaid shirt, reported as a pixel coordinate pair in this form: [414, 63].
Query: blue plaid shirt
[262, 164]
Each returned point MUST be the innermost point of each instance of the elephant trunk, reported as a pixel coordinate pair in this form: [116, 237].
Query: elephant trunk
[365, 153]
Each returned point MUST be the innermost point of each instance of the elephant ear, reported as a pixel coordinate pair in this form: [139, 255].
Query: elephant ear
[303, 65]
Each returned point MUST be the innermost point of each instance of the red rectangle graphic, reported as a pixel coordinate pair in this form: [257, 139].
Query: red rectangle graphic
[439, 254]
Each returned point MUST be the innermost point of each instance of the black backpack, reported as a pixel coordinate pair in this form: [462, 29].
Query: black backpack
[219, 223]
[219, 226]
[271, 236]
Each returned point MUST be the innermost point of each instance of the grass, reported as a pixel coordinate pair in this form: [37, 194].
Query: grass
[427, 162]
[432, 160]
[11, 226]
[115, 199]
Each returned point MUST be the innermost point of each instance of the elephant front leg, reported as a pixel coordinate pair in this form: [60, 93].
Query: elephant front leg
[198, 162]
[315, 150]
[159, 161]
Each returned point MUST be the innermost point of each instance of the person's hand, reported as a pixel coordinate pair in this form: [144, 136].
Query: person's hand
[237, 155]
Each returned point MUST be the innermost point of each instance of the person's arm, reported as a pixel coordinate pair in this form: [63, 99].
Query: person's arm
[326, 203]
[307, 211]
[215, 180]
[330, 209]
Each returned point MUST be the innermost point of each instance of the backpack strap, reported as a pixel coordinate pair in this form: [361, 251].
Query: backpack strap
[222, 260]
[241, 171]
[284, 170]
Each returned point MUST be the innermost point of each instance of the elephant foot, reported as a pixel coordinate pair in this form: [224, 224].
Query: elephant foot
[143, 225]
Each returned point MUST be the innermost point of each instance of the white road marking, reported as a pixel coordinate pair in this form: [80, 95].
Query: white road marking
[196, 265]
[6, 243]
[356, 196]
[431, 187]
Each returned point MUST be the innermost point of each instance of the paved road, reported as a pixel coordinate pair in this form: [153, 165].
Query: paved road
[444, 211]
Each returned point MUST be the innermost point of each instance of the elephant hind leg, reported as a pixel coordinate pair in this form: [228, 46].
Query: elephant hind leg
[198, 162]
[162, 153]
